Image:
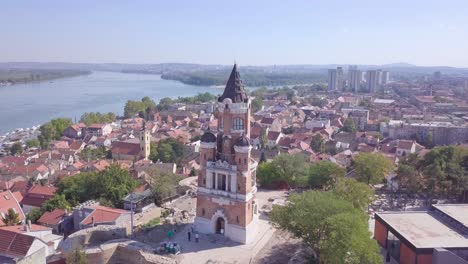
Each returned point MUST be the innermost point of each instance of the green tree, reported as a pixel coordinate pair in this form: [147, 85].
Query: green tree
[112, 184]
[163, 185]
[290, 170]
[92, 154]
[77, 256]
[34, 215]
[53, 130]
[317, 144]
[33, 143]
[349, 125]
[167, 150]
[132, 108]
[372, 168]
[57, 201]
[148, 102]
[164, 103]
[358, 193]
[315, 216]
[97, 117]
[257, 104]
[263, 139]
[11, 218]
[323, 174]
[16, 148]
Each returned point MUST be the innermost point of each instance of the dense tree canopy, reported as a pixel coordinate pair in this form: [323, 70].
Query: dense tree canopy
[372, 168]
[349, 125]
[288, 170]
[33, 143]
[92, 154]
[96, 117]
[53, 130]
[359, 194]
[132, 108]
[163, 185]
[16, 148]
[335, 230]
[317, 143]
[441, 172]
[112, 184]
[323, 174]
[11, 218]
[167, 150]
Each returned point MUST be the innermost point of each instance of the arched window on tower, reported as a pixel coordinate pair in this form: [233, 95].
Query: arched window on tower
[221, 123]
[238, 124]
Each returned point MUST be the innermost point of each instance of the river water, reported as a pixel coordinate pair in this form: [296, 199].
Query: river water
[27, 105]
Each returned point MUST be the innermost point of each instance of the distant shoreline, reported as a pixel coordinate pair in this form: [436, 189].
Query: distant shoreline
[13, 77]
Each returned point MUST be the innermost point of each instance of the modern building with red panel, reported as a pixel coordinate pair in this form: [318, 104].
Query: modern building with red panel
[437, 236]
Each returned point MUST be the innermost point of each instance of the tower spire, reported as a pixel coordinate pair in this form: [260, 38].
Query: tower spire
[234, 88]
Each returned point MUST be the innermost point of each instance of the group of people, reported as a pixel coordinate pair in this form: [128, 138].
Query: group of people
[189, 235]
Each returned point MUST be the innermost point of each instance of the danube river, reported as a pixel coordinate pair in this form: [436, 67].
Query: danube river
[27, 105]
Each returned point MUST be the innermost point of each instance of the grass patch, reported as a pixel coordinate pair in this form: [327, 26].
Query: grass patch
[153, 222]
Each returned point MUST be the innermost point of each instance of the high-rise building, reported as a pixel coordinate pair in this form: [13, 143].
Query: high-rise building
[437, 75]
[335, 79]
[226, 201]
[373, 80]
[354, 78]
[385, 78]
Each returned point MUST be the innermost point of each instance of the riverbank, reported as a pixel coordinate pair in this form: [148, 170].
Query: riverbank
[9, 77]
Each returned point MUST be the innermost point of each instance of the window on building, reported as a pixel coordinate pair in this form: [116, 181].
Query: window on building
[204, 180]
[245, 160]
[221, 123]
[213, 181]
[203, 211]
[238, 187]
[238, 124]
[237, 218]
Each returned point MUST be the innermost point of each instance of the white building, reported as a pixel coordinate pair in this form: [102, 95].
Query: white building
[354, 78]
[335, 79]
[373, 80]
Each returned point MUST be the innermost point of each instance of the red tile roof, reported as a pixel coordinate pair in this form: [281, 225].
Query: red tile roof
[20, 228]
[9, 200]
[52, 218]
[103, 214]
[15, 244]
[42, 190]
[125, 148]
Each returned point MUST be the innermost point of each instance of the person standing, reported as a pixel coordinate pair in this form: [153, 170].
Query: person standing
[189, 236]
[196, 237]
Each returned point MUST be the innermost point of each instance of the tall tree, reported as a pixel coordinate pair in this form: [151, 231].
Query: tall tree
[11, 218]
[315, 217]
[317, 144]
[323, 174]
[77, 256]
[372, 167]
[16, 148]
[358, 193]
[349, 125]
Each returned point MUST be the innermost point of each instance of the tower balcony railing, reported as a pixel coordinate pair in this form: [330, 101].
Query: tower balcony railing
[221, 165]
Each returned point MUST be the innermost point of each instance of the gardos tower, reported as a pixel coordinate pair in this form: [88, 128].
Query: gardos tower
[226, 183]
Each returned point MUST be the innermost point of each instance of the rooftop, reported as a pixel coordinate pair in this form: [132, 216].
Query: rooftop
[424, 229]
[458, 212]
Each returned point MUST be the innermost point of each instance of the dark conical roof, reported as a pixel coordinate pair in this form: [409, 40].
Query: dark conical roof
[243, 141]
[208, 137]
[234, 88]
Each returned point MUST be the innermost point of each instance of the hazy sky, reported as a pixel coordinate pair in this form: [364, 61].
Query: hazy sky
[422, 32]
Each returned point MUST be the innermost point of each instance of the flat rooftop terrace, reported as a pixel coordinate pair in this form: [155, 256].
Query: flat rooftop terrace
[458, 212]
[424, 229]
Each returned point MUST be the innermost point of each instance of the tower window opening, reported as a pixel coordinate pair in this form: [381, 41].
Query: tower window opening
[238, 124]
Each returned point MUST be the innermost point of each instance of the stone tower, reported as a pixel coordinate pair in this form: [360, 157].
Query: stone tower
[145, 141]
[226, 183]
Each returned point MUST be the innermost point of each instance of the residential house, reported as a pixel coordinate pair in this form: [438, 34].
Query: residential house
[89, 216]
[21, 249]
[36, 196]
[273, 138]
[405, 147]
[43, 233]
[98, 130]
[11, 200]
[56, 220]
[74, 131]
